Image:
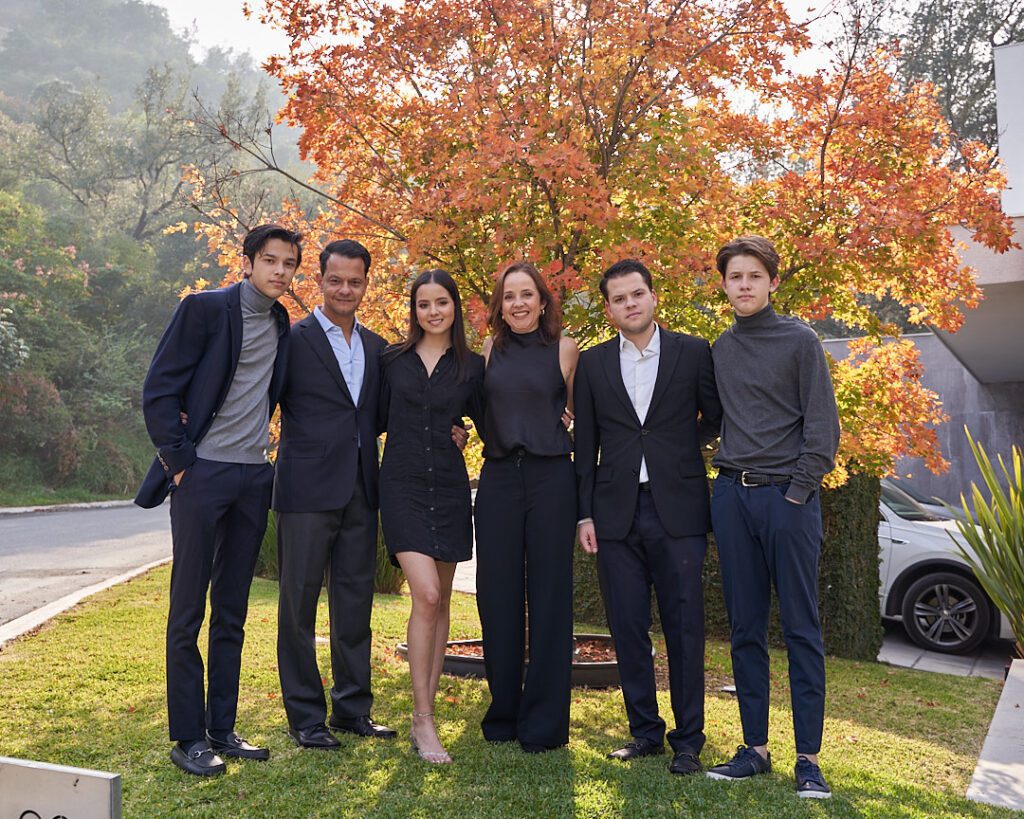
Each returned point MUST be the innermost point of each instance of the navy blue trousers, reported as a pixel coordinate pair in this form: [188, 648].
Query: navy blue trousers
[525, 530]
[627, 569]
[218, 517]
[763, 541]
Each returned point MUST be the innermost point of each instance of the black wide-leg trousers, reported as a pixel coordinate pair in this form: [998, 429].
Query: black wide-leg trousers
[525, 528]
[673, 565]
[343, 543]
[218, 517]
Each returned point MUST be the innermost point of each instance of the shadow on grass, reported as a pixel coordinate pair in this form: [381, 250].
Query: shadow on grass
[88, 691]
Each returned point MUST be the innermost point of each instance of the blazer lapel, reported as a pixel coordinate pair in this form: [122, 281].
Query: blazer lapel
[671, 346]
[613, 371]
[234, 307]
[322, 347]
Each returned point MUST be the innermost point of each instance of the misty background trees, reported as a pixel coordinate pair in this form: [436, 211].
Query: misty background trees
[104, 114]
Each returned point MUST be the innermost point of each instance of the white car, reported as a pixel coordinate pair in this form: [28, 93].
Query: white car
[926, 584]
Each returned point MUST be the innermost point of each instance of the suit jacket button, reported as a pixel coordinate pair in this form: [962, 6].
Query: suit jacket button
[643, 432]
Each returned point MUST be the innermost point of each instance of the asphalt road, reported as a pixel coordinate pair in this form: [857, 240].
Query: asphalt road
[45, 556]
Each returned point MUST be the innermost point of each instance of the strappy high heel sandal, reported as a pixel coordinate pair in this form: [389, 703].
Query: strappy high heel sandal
[433, 757]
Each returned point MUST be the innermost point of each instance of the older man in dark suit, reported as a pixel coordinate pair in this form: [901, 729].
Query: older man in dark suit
[207, 400]
[645, 401]
[325, 496]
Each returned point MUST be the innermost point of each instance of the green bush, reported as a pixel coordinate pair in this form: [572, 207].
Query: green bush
[387, 580]
[848, 576]
[994, 531]
[266, 563]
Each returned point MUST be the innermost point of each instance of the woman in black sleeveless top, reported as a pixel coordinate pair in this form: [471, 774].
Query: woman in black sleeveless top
[526, 515]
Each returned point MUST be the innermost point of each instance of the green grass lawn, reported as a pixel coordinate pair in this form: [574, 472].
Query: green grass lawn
[87, 690]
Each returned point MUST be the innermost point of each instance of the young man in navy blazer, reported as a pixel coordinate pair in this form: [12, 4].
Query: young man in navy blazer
[325, 496]
[645, 402]
[207, 400]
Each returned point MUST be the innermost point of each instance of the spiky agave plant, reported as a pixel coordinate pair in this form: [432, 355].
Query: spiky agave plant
[994, 530]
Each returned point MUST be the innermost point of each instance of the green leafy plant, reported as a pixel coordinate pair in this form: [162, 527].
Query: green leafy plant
[995, 533]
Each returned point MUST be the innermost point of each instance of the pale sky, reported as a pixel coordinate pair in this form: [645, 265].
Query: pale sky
[221, 23]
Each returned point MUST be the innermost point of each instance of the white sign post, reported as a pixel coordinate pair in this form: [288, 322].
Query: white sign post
[35, 790]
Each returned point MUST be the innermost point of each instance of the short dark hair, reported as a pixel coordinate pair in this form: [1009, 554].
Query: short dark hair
[624, 268]
[350, 249]
[257, 238]
[750, 245]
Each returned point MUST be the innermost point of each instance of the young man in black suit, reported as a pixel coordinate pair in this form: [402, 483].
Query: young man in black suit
[207, 400]
[645, 402]
[325, 496]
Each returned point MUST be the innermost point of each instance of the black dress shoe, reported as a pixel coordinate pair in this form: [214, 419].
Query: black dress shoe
[232, 745]
[363, 727]
[636, 748]
[683, 762]
[197, 758]
[316, 736]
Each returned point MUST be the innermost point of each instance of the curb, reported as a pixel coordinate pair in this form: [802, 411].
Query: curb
[27, 622]
[10, 511]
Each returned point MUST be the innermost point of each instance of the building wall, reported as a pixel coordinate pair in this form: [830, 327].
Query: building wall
[994, 413]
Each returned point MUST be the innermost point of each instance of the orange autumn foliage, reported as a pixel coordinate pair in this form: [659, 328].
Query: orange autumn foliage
[463, 133]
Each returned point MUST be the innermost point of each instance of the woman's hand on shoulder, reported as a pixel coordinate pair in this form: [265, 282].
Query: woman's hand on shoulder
[485, 349]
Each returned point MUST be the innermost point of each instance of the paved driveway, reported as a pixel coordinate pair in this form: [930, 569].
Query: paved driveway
[47, 555]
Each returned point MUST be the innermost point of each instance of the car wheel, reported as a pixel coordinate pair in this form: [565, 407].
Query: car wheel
[946, 612]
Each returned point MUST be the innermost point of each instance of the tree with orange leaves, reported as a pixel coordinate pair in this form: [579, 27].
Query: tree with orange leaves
[463, 133]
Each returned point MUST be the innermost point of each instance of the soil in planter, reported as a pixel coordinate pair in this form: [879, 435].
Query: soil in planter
[586, 651]
[598, 651]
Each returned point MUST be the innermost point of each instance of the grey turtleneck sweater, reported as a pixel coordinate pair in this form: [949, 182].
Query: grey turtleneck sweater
[240, 431]
[779, 407]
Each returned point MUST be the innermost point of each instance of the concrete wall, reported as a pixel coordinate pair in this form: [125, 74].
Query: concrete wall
[993, 412]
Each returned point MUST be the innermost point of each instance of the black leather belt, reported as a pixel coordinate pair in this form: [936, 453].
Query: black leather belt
[645, 486]
[750, 479]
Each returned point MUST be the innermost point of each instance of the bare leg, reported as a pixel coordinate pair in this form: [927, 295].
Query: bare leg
[446, 574]
[421, 572]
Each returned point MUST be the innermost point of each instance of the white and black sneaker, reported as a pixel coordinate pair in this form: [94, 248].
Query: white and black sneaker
[810, 784]
[746, 763]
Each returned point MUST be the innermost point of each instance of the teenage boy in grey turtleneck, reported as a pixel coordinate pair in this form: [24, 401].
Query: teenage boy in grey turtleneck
[211, 388]
[780, 433]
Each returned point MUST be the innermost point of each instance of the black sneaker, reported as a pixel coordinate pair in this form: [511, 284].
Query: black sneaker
[810, 784]
[746, 763]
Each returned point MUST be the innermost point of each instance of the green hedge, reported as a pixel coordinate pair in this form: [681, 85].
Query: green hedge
[388, 579]
[848, 596]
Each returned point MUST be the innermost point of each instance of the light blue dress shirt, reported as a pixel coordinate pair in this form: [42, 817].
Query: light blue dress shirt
[351, 358]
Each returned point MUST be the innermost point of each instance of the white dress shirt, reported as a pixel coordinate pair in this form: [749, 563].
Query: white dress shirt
[639, 372]
[350, 356]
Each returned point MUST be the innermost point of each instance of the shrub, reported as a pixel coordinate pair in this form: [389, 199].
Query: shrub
[387, 580]
[38, 425]
[994, 530]
[848, 591]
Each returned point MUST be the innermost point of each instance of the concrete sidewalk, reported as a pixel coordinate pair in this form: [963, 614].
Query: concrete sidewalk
[989, 660]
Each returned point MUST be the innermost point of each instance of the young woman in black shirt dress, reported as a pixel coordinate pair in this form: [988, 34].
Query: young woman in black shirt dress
[429, 380]
[526, 514]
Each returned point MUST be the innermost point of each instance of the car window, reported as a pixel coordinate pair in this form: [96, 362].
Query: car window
[903, 505]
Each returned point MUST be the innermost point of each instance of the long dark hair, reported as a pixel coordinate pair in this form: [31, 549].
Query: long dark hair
[551, 314]
[457, 330]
